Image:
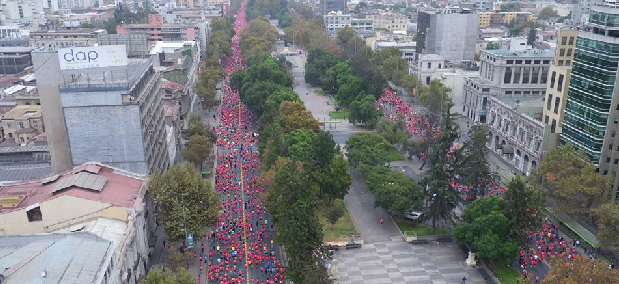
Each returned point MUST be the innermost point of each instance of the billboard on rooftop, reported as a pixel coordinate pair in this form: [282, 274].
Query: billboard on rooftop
[92, 57]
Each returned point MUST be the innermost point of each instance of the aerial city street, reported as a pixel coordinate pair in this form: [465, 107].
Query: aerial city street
[309, 142]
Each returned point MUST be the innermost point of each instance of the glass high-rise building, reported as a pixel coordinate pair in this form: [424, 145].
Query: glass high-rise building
[591, 121]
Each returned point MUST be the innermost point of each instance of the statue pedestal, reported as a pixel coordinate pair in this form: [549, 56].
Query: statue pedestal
[470, 261]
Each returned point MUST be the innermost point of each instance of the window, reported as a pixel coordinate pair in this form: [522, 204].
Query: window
[549, 102]
[34, 214]
[429, 65]
[560, 62]
[613, 133]
[510, 62]
[546, 120]
[508, 75]
[546, 61]
[616, 161]
[21, 124]
[428, 80]
[510, 92]
[552, 79]
[568, 62]
[518, 61]
[605, 172]
[571, 41]
[607, 159]
[562, 52]
[557, 103]
[517, 75]
[560, 83]
[537, 61]
[439, 66]
[564, 40]
[610, 146]
[527, 62]
[569, 52]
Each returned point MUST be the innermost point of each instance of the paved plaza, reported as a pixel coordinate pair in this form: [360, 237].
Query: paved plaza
[398, 262]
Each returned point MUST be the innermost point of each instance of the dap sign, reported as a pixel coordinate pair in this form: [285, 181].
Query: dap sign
[92, 56]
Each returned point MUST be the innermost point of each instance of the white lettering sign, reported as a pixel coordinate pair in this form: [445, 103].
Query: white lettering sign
[92, 57]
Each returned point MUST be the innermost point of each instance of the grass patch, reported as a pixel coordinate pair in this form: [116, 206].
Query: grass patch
[342, 229]
[504, 272]
[394, 155]
[342, 114]
[419, 229]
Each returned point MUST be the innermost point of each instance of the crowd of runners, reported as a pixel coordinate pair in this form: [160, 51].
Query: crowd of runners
[240, 249]
[546, 240]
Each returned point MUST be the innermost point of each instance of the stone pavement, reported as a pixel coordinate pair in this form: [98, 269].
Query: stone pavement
[398, 262]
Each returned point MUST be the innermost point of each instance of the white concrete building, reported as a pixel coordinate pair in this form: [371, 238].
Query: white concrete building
[407, 48]
[389, 21]
[334, 21]
[515, 135]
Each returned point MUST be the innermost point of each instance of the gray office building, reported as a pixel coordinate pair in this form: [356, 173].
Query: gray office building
[111, 113]
[327, 6]
[450, 35]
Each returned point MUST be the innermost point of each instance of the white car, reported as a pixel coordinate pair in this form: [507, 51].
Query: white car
[413, 215]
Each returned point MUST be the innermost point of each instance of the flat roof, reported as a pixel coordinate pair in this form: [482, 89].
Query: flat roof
[479, 80]
[64, 258]
[525, 53]
[16, 49]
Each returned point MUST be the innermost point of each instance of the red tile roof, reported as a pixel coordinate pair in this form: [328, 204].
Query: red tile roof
[122, 188]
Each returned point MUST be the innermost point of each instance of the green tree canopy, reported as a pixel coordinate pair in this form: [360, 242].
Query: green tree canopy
[393, 191]
[522, 204]
[167, 277]
[366, 148]
[198, 149]
[546, 13]
[486, 228]
[181, 194]
[364, 111]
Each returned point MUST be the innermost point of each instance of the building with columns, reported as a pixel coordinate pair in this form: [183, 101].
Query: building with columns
[506, 74]
[515, 135]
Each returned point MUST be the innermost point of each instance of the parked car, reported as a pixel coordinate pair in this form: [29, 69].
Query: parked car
[413, 215]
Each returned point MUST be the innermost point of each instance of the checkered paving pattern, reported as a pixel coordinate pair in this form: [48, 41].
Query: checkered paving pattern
[400, 262]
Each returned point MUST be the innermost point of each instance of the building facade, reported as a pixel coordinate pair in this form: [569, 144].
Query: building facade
[327, 6]
[22, 123]
[389, 21]
[157, 30]
[498, 19]
[334, 21]
[14, 60]
[452, 36]
[65, 38]
[558, 84]
[110, 114]
[591, 119]
[505, 73]
[516, 136]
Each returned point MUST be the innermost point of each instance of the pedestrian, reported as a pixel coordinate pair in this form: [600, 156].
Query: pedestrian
[381, 221]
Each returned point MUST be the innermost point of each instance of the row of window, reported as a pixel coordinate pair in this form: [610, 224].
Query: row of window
[528, 62]
[559, 84]
[549, 103]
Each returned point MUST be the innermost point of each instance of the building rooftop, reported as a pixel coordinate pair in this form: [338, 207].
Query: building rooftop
[383, 43]
[480, 80]
[430, 57]
[491, 30]
[23, 171]
[23, 112]
[70, 31]
[92, 181]
[524, 53]
[16, 49]
[170, 46]
[52, 258]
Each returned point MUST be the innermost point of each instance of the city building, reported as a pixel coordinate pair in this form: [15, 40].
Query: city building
[591, 118]
[498, 19]
[65, 37]
[580, 12]
[104, 201]
[22, 123]
[406, 47]
[106, 108]
[327, 6]
[14, 60]
[427, 65]
[362, 24]
[485, 33]
[19, 10]
[504, 73]
[389, 21]
[566, 44]
[77, 257]
[76, 4]
[334, 21]
[515, 134]
[451, 36]
[558, 84]
[157, 30]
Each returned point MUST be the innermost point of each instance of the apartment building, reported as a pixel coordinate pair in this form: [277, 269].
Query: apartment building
[158, 30]
[389, 21]
[498, 19]
[452, 36]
